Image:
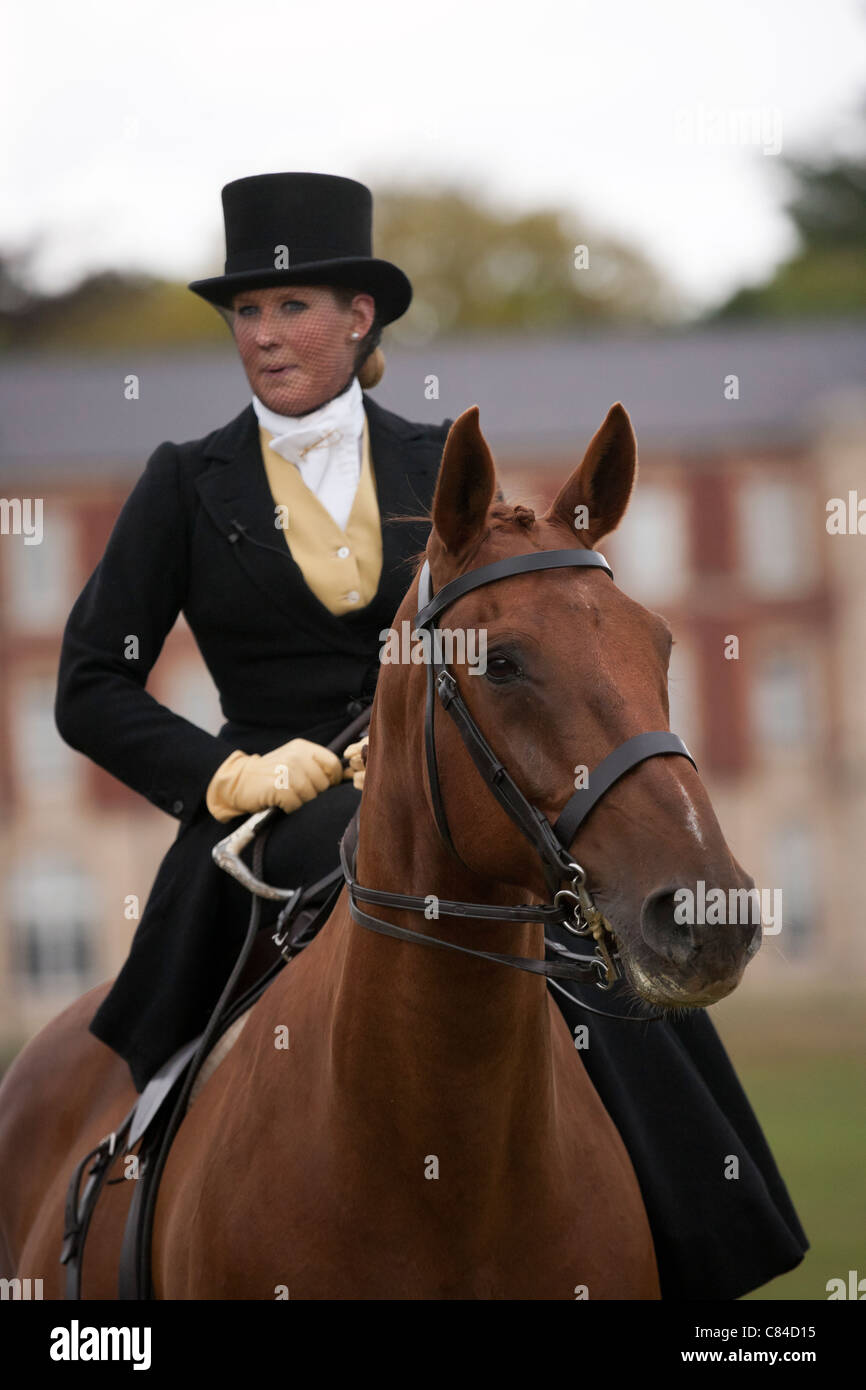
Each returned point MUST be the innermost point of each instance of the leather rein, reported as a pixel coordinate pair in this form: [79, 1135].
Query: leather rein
[572, 908]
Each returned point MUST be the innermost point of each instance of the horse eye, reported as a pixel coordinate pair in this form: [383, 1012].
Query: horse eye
[501, 668]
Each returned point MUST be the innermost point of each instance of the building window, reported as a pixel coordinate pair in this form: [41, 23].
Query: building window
[45, 767]
[793, 870]
[53, 916]
[649, 553]
[683, 696]
[40, 578]
[777, 553]
[780, 699]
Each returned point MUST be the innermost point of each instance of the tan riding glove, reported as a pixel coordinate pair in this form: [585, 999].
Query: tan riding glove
[357, 755]
[286, 777]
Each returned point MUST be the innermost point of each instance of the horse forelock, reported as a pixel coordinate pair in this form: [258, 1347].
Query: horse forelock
[501, 517]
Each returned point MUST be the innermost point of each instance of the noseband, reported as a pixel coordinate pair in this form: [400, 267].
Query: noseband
[573, 907]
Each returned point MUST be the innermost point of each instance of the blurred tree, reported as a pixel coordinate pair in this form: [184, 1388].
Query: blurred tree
[827, 276]
[104, 311]
[472, 269]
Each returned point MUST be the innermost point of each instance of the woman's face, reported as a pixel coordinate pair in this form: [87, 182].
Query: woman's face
[296, 343]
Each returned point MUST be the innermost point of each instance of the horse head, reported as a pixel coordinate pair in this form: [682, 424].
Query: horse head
[573, 668]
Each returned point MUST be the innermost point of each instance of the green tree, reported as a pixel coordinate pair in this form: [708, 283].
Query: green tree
[827, 274]
[474, 268]
[105, 311]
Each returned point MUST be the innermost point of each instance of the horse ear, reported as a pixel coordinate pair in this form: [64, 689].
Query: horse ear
[603, 482]
[466, 484]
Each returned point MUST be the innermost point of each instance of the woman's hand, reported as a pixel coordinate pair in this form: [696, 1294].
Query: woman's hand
[286, 777]
[357, 755]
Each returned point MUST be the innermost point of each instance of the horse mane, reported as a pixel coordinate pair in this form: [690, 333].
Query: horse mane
[500, 515]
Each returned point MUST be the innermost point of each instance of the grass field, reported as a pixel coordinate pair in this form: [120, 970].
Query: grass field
[802, 1062]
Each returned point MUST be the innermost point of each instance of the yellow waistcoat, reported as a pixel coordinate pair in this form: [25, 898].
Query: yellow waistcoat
[341, 567]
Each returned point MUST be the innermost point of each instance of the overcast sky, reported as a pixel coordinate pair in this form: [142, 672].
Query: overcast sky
[659, 119]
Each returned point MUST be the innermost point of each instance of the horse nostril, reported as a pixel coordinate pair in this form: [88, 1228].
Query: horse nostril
[669, 938]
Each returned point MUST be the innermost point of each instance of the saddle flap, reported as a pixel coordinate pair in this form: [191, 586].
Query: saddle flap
[158, 1087]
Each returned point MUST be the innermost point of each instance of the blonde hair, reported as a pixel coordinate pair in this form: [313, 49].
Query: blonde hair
[372, 370]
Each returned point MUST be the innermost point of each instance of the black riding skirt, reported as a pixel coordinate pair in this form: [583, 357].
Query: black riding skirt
[194, 923]
[720, 1228]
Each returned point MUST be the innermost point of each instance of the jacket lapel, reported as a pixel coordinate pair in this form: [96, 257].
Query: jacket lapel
[234, 490]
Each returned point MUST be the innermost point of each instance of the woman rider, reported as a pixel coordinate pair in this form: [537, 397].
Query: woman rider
[272, 536]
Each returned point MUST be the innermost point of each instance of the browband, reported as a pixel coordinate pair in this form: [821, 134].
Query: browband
[499, 569]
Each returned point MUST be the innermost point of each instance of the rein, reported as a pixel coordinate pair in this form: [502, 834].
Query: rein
[572, 908]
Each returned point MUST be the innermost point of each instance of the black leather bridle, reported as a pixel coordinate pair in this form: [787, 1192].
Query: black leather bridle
[572, 908]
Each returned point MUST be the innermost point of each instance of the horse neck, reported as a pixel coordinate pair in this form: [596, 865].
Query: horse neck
[429, 1028]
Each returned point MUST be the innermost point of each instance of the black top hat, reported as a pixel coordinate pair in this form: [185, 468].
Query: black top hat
[314, 229]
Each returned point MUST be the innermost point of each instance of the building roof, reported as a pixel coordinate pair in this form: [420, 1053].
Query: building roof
[543, 395]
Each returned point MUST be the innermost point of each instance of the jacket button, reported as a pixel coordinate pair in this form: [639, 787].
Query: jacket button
[177, 807]
[355, 707]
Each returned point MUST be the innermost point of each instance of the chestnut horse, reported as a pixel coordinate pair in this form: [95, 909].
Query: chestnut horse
[429, 1131]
